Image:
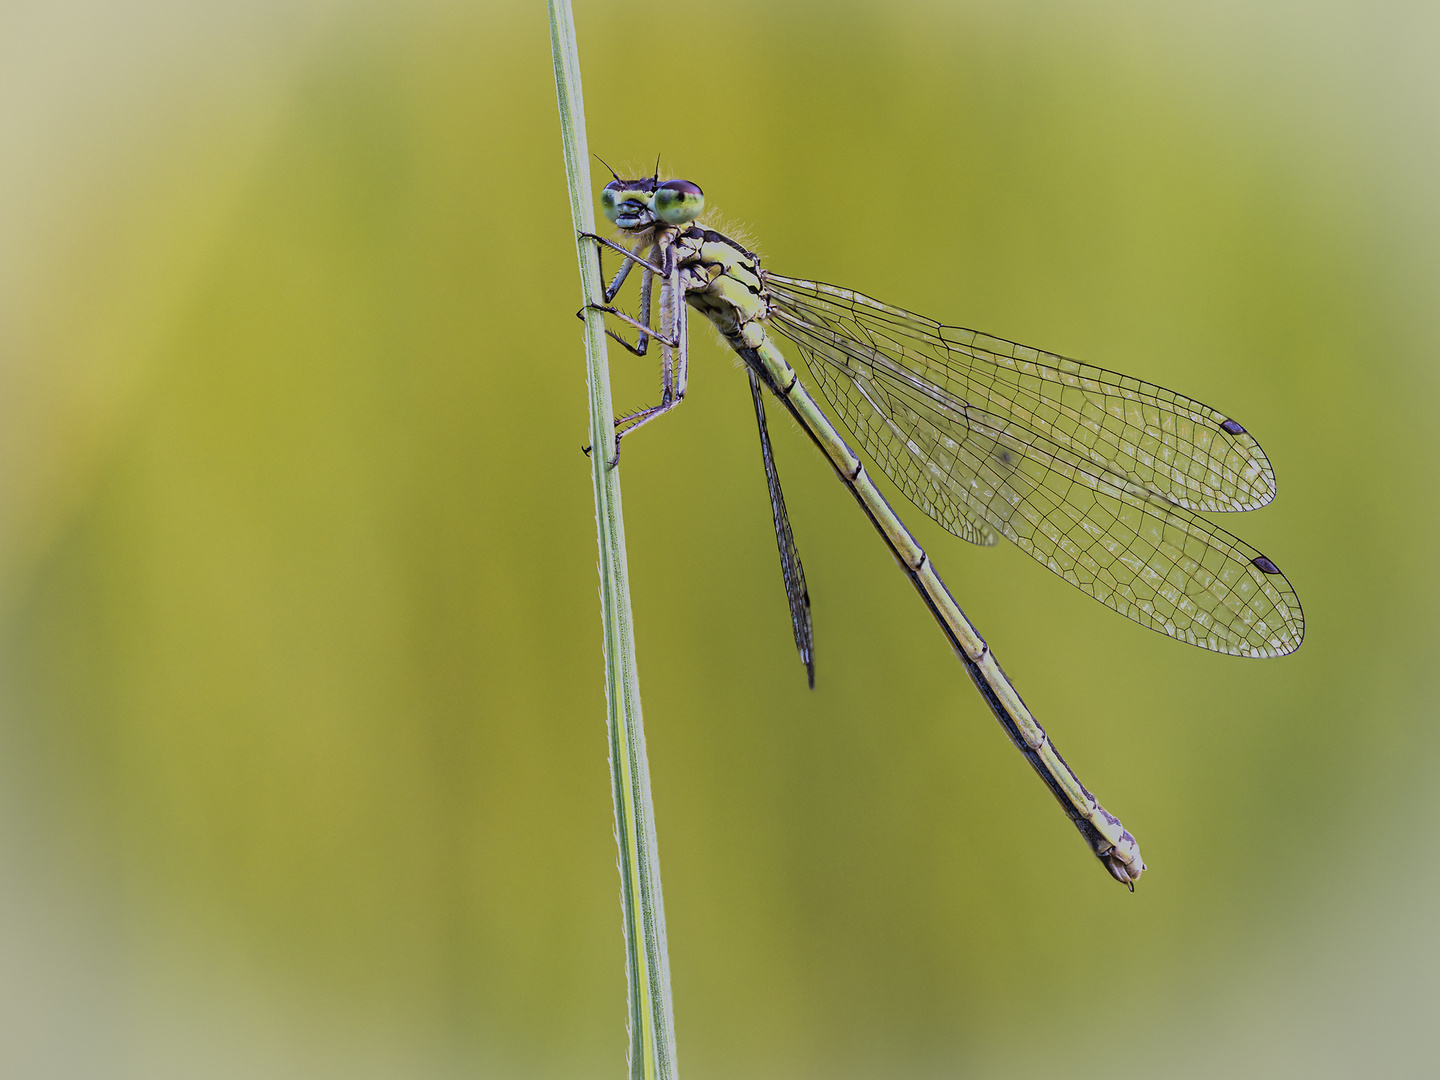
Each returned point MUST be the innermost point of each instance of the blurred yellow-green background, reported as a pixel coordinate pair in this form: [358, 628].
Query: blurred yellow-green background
[302, 749]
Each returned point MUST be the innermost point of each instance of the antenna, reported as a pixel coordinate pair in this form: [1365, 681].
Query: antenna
[607, 165]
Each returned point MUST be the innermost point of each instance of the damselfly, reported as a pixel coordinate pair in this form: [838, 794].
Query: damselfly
[1099, 476]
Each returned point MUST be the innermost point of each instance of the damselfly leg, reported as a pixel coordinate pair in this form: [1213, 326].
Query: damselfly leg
[672, 332]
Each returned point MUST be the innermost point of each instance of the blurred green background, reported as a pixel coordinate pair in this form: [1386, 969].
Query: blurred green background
[302, 759]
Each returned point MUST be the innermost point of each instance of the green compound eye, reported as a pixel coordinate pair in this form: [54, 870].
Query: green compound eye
[610, 200]
[678, 201]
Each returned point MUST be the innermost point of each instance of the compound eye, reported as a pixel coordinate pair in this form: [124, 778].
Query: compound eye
[678, 201]
[610, 200]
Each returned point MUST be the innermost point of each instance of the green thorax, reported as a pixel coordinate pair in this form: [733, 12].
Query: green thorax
[722, 281]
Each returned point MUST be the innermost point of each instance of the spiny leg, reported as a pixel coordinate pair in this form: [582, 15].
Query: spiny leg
[630, 421]
[674, 354]
[632, 257]
[644, 328]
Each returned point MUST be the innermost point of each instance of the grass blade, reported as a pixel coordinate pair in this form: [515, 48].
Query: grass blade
[647, 966]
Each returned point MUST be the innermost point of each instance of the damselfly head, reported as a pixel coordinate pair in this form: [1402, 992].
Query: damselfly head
[638, 204]
[628, 204]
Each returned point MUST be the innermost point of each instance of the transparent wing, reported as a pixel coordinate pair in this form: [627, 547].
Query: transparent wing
[1094, 474]
[793, 573]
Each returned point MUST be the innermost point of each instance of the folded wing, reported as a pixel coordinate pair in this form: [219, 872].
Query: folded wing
[1096, 475]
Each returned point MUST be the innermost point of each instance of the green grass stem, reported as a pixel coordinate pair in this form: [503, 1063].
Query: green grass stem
[647, 966]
